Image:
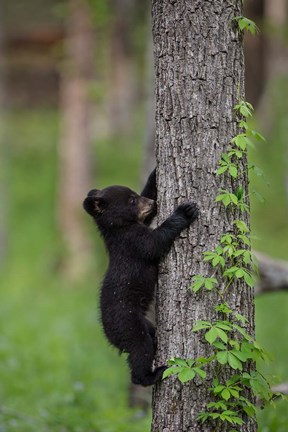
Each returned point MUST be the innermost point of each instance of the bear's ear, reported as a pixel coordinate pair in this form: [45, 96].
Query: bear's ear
[94, 193]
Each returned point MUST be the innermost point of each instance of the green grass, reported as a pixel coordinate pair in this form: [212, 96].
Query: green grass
[57, 371]
[269, 224]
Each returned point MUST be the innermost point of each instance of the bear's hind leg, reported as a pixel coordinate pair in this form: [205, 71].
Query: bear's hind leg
[140, 360]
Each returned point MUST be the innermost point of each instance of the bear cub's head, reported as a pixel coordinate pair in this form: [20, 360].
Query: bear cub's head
[117, 206]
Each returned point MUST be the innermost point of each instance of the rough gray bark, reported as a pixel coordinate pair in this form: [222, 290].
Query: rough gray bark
[149, 137]
[199, 77]
[74, 145]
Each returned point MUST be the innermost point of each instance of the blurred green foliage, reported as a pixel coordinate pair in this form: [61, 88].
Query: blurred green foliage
[57, 371]
[269, 224]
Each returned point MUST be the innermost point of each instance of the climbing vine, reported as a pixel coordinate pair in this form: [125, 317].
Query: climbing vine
[233, 350]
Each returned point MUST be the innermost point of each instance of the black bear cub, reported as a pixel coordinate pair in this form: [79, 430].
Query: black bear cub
[135, 250]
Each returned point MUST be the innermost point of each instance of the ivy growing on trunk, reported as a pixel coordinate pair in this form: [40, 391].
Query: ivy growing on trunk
[202, 139]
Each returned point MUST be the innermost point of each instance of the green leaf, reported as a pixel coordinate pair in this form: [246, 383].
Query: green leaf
[233, 171]
[245, 108]
[220, 197]
[223, 308]
[234, 198]
[222, 335]
[234, 393]
[249, 279]
[240, 355]
[200, 372]
[200, 325]
[211, 335]
[219, 250]
[257, 135]
[241, 225]
[203, 416]
[222, 357]
[243, 124]
[186, 374]
[217, 405]
[218, 389]
[233, 361]
[239, 273]
[233, 380]
[244, 239]
[226, 158]
[210, 283]
[226, 200]
[260, 386]
[208, 256]
[215, 415]
[180, 362]
[227, 239]
[221, 170]
[247, 257]
[240, 318]
[219, 345]
[198, 282]
[203, 360]
[231, 417]
[215, 261]
[234, 343]
[225, 394]
[230, 272]
[170, 371]
[242, 331]
[239, 193]
[247, 24]
[241, 141]
[249, 410]
[225, 325]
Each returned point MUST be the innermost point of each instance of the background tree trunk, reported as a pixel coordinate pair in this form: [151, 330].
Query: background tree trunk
[255, 46]
[3, 159]
[199, 78]
[276, 57]
[74, 145]
[122, 83]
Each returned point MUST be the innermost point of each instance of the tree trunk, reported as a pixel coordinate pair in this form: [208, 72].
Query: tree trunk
[276, 58]
[122, 81]
[3, 156]
[199, 78]
[149, 133]
[255, 46]
[74, 145]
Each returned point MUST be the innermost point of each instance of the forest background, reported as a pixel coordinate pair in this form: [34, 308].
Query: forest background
[76, 112]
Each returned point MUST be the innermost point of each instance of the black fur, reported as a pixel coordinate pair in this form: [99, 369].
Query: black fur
[135, 250]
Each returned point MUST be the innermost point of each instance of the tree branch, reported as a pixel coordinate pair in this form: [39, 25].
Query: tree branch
[282, 388]
[273, 274]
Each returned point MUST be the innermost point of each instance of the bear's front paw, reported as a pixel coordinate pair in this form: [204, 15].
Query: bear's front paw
[189, 210]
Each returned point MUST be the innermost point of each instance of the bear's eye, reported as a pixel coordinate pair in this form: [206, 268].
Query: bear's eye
[132, 200]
